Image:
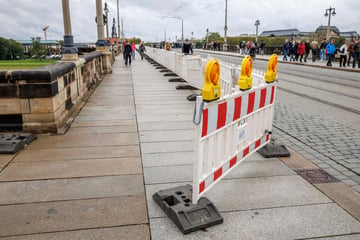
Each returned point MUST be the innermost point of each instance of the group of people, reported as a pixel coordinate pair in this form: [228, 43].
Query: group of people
[129, 51]
[249, 48]
[350, 51]
[300, 50]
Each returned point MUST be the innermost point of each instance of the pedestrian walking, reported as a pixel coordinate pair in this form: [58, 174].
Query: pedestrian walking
[351, 51]
[262, 47]
[330, 49]
[187, 48]
[127, 53]
[307, 49]
[296, 46]
[142, 49]
[343, 51]
[357, 53]
[314, 45]
[322, 50]
[292, 51]
[301, 50]
[286, 48]
[133, 48]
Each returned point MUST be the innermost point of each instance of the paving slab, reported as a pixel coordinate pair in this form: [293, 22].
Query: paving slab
[70, 189]
[5, 159]
[71, 168]
[165, 136]
[66, 141]
[300, 222]
[133, 232]
[167, 159]
[165, 125]
[343, 195]
[72, 215]
[101, 130]
[297, 162]
[101, 116]
[163, 147]
[102, 123]
[55, 154]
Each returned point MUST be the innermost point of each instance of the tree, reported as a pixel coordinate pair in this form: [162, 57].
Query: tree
[10, 49]
[215, 37]
[37, 49]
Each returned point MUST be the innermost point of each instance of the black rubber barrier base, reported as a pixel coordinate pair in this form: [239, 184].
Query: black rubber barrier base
[11, 143]
[171, 74]
[273, 149]
[177, 204]
[178, 79]
[192, 97]
[185, 87]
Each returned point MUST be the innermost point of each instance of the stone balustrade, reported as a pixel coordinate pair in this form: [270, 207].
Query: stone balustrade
[42, 100]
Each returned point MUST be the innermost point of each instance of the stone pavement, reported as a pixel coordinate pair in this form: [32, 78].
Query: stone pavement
[134, 137]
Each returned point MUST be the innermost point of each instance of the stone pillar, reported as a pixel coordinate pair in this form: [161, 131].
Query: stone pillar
[100, 44]
[69, 52]
[100, 24]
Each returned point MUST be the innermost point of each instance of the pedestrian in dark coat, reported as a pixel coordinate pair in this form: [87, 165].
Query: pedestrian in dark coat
[127, 53]
[307, 49]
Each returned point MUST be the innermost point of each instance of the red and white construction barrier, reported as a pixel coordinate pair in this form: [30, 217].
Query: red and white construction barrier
[229, 131]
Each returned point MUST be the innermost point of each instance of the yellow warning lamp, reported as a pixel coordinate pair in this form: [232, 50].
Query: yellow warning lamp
[270, 74]
[211, 88]
[245, 79]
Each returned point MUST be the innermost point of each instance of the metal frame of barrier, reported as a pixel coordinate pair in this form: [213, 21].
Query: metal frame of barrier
[229, 131]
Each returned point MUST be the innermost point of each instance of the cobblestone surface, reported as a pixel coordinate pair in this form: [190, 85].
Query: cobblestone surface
[332, 146]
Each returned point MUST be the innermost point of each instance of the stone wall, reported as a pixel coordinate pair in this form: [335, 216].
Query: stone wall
[41, 100]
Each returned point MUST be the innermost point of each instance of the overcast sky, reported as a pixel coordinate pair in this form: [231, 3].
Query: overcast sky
[23, 19]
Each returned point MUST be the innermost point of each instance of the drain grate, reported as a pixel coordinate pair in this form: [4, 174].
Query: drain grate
[316, 176]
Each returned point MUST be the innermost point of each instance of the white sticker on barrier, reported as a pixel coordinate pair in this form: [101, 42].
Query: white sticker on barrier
[230, 130]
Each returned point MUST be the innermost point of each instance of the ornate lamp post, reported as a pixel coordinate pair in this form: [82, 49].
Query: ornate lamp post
[106, 10]
[328, 12]
[257, 23]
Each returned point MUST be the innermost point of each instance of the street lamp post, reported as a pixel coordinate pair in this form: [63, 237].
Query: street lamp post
[257, 23]
[182, 27]
[225, 28]
[106, 10]
[328, 12]
[207, 38]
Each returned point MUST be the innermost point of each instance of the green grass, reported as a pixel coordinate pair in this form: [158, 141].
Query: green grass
[24, 64]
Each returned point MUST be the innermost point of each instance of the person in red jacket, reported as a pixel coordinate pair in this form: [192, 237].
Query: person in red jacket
[301, 50]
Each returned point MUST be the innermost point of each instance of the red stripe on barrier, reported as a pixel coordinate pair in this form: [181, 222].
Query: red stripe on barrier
[257, 143]
[201, 186]
[267, 137]
[205, 123]
[272, 94]
[262, 98]
[221, 120]
[251, 103]
[233, 161]
[246, 151]
[217, 174]
[237, 108]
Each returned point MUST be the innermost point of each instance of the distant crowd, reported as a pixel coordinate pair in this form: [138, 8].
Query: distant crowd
[300, 50]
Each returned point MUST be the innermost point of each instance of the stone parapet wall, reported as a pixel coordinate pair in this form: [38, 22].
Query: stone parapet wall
[41, 100]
